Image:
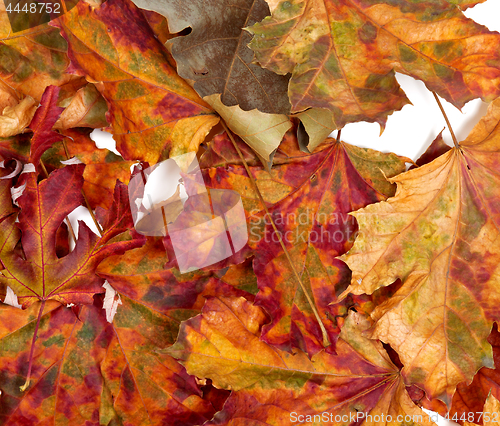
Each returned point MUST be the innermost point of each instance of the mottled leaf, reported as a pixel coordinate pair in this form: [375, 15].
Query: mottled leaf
[42, 275]
[14, 119]
[342, 55]
[86, 108]
[152, 111]
[148, 388]
[32, 59]
[66, 377]
[309, 199]
[270, 386]
[215, 57]
[262, 132]
[17, 147]
[439, 234]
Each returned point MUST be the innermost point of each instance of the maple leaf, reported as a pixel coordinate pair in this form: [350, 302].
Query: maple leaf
[471, 398]
[439, 235]
[270, 386]
[152, 111]
[42, 123]
[32, 59]
[41, 275]
[83, 108]
[343, 54]
[66, 380]
[146, 387]
[309, 197]
[262, 132]
[214, 56]
[435, 150]
[14, 119]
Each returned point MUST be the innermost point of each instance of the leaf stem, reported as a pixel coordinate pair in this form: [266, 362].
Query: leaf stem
[89, 208]
[27, 383]
[326, 340]
[455, 141]
[70, 228]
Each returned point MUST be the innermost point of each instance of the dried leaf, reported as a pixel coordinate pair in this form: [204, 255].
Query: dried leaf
[42, 123]
[438, 234]
[71, 279]
[309, 198]
[271, 386]
[11, 299]
[15, 119]
[215, 57]
[102, 167]
[342, 55]
[6, 207]
[111, 302]
[66, 380]
[262, 132]
[146, 386]
[8, 96]
[86, 108]
[152, 111]
[437, 148]
[32, 59]
[471, 398]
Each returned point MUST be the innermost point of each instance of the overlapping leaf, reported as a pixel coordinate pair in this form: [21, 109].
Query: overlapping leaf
[33, 59]
[87, 371]
[263, 132]
[102, 166]
[343, 54]
[270, 386]
[309, 198]
[42, 275]
[83, 108]
[66, 380]
[42, 123]
[152, 111]
[470, 399]
[215, 57]
[490, 412]
[440, 235]
[14, 119]
[146, 387]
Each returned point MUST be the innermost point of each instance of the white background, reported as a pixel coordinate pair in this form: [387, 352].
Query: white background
[408, 132]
